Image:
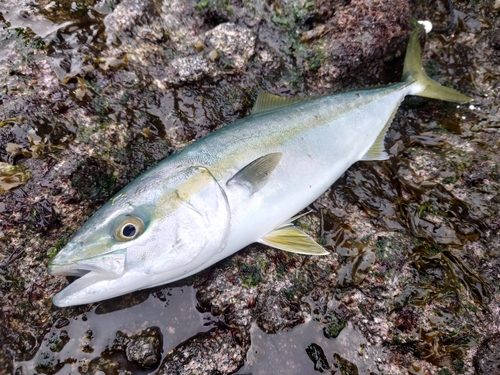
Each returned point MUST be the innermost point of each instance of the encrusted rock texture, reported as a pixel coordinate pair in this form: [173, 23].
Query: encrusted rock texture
[93, 93]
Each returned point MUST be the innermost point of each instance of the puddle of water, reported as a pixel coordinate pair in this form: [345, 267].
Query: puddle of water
[172, 310]
[40, 25]
[74, 345]
[285, 351]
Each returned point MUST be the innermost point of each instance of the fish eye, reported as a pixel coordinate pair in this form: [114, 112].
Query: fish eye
[129, 228]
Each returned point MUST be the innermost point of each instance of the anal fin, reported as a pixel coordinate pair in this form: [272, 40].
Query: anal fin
[289, 238]
[377, 149]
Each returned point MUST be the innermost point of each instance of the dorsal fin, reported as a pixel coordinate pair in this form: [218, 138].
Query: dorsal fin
[267, 102]
[256, 174]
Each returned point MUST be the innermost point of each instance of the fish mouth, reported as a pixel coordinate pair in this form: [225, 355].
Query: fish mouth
[111, 263]
[97, 286]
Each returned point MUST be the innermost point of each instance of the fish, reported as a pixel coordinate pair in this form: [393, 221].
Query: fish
[239, 185]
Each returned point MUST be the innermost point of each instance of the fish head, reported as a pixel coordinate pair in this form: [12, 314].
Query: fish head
[156, 230]
[101, 244]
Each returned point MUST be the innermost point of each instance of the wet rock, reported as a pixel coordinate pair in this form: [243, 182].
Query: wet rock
[334, 327]
[145, 349]
[106, 365]
[318, 357]
[189, 69]
[276, 312]
[344, 366]
[235, 43]
[487, 358]
[220, 351]
[94, 180]
[128, 18]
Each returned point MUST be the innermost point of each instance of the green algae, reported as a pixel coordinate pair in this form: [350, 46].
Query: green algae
[250, 275]
[334, 327]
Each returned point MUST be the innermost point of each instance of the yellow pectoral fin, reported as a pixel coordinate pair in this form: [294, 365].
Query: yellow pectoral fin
[292, 239]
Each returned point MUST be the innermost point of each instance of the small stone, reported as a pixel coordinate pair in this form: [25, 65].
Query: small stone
[427, 26]
[80, 93]
[309, 35]
[213, 55]
[146, 133]
[199, 45]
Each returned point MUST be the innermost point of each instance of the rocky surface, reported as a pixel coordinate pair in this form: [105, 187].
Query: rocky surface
[95, 92]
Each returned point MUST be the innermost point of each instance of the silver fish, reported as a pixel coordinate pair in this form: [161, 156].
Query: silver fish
[236, 186]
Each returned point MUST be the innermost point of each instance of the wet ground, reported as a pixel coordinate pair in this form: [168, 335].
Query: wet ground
[95, 92]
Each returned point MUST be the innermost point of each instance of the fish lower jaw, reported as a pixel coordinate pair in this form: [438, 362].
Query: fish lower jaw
[92, 287]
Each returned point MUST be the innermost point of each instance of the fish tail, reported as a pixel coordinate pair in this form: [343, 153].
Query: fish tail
[425, 86]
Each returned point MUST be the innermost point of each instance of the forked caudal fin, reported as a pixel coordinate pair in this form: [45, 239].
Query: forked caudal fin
[421, 85]
[426, 87]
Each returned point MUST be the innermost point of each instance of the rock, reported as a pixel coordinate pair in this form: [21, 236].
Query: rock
[220, 351]
[344, 366]
[127, 17]
[189, 69]
[487, 358]
[317, 355]
[145, 348]
[235, 43]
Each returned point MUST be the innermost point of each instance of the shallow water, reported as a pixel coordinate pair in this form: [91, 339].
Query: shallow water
[286, 351]
[74, 345]
[73, 342]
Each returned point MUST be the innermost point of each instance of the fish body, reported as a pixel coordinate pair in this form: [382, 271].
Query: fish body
[239, 185]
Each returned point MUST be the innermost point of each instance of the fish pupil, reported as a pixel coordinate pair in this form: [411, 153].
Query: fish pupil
[129, 230]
